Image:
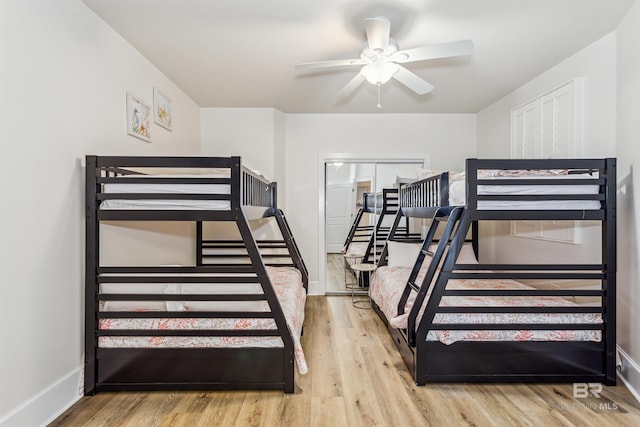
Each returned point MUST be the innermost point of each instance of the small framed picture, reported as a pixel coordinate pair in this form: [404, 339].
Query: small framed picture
[161, 109]
[138, 118]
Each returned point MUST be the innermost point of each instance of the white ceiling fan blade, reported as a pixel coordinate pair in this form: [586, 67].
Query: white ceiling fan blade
[378, 30]
[334, 63]
[412, 81]
[445, 50]
[350, 87]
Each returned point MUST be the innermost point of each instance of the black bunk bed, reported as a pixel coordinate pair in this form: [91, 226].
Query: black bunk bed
[365, 242]
[554, 341]
[242, 329]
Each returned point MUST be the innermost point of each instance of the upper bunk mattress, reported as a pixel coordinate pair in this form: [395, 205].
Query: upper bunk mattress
[457, 191]
[155, 187]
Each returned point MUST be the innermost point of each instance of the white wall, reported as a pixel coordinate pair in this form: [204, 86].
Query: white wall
[253, 133]
[279, 156]
[609, 69]
[628, 153]
[446, 138]
[256, 135]
[596, 66]
[64, 78]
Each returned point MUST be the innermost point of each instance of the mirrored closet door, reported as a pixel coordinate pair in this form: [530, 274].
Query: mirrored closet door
[355, 221]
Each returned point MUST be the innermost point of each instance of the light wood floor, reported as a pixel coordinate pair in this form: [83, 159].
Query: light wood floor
[357, 378]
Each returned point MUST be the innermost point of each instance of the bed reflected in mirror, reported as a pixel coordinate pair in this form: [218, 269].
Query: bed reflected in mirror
[355, 223]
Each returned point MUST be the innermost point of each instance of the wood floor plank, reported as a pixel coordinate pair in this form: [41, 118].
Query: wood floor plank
[324, 371]
[357, 378]
[260, 408]
[328, 411]
[224, 408]
[155, 404]
[359, 398]
[341, 318]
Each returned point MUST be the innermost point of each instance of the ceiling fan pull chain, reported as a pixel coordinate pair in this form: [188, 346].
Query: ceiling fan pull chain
[379, 105]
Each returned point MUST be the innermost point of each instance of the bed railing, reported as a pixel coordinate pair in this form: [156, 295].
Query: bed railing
[246, 189]
[420, 197]
[598, 169]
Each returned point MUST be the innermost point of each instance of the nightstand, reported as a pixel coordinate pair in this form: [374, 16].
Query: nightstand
[363, 269]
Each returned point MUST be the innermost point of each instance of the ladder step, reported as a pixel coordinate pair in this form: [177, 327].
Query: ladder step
[413, 286]
[427, 252]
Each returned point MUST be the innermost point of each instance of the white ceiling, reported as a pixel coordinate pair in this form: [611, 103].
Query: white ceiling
[241, 53]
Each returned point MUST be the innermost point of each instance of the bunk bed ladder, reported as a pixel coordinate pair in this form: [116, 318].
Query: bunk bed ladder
[455, 241]
[450, 216]
[272, 300]
[354, 228]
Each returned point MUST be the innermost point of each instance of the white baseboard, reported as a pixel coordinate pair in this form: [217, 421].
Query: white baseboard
[629, 374]
[47, 405]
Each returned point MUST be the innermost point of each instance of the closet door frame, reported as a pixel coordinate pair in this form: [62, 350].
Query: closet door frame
[325, 158]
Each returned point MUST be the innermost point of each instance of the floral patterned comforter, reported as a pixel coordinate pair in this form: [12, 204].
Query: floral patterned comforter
[387, 285]
[287, 283]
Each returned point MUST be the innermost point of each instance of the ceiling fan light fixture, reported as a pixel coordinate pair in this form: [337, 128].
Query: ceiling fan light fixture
[379, 72]
[381, 59]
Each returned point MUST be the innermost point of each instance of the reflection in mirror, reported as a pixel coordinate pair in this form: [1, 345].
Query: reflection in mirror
[355, 222]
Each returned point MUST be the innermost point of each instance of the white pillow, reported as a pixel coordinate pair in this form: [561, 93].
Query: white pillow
[132, 288]
[402, 254]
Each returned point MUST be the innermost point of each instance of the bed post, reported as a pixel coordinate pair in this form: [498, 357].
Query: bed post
[472, 200]
[91, 263]
[273, 202]
[609, 260]
[199, 248]
[236, 183]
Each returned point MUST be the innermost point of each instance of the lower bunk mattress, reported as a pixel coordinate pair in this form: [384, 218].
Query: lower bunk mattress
[388, 283]
[288, 287]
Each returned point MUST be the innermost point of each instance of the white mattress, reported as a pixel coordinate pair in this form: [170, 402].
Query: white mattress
[155, 187]
[457, 194]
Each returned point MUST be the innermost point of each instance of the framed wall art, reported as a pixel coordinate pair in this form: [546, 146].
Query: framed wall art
[138, 118]
[161, 109]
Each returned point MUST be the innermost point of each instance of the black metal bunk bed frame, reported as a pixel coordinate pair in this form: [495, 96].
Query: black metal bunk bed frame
[274, 252]
[383, 204]
[250, 197]
[511, 361]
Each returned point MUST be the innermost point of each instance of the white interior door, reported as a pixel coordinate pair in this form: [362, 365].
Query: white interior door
[338, 215]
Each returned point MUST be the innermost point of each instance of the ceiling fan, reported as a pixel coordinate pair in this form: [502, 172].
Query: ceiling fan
[381, 59]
